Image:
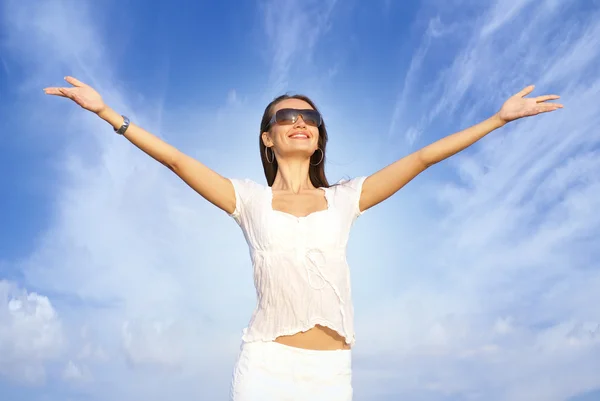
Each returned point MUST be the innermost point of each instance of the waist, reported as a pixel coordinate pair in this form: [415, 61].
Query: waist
[284, 352]
[319, 338]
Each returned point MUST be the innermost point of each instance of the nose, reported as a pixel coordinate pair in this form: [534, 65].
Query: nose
[300, 122]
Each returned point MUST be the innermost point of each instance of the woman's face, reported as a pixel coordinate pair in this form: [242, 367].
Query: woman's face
[297, 139]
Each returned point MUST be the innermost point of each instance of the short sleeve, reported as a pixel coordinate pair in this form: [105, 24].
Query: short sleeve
[350, 190]
[245, 190]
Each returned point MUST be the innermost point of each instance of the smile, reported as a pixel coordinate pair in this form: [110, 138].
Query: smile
[299, 135]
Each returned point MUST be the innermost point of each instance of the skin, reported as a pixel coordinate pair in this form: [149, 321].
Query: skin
[293, 192]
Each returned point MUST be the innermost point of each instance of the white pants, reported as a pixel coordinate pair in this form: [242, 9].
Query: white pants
[269, 371]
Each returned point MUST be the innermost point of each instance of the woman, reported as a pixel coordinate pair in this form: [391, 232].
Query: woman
[298, 343]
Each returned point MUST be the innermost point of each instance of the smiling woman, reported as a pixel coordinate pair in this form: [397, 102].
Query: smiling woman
[299, 340]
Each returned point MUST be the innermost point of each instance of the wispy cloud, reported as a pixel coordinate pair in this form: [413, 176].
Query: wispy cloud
[488, 60]
[293, 30]
[515, 265]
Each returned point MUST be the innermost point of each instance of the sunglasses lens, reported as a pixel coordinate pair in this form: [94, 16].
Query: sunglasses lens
[311, 117]
[289, 116]
[286, 116]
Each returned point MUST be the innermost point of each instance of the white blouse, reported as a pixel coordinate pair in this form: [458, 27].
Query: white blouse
[301, 274]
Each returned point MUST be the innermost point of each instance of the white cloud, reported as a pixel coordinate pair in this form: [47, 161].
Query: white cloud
[31, 334]
[73, 372]
[155, 343]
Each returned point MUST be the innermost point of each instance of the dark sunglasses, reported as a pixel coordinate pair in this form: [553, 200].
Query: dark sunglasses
[290, 116]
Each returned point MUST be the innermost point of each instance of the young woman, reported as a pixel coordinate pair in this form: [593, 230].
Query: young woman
[298, 343]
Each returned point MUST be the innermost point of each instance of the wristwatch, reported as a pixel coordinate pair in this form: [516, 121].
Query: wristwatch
[124, 127]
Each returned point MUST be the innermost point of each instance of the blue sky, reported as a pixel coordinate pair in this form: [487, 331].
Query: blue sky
[478, 280]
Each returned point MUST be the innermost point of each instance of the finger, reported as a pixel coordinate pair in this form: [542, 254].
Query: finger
[74, 81]
[66, 92]
[53, 91]
[542, 108]
[526, 91]
[69, 93]
[540, 99]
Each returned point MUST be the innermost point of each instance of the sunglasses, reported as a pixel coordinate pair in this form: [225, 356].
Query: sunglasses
[290, 116]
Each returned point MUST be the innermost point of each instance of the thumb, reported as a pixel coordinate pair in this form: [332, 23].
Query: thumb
[74, 81]
[526, 91]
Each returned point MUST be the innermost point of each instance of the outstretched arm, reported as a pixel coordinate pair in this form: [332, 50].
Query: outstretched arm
[210, 185]
[387, 181]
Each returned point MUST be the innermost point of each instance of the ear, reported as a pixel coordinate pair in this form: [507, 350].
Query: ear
[266, 138]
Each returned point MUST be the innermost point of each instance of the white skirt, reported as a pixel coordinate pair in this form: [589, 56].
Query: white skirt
[269, 371]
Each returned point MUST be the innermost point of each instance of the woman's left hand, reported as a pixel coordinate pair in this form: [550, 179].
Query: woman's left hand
[517, 106]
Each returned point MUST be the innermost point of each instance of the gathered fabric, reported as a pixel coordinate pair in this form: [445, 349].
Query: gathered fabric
[270, 371]
[300, 270]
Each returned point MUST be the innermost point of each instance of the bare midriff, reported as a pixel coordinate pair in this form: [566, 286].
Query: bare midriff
[317, 338]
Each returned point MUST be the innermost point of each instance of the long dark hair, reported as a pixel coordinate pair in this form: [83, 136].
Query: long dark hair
[316, 173]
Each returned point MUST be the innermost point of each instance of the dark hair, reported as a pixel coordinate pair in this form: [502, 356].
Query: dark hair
[316, 173]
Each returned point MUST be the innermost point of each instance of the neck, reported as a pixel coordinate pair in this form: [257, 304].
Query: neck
[292, 176]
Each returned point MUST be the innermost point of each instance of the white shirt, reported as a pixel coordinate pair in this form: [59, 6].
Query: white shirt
[301, 274]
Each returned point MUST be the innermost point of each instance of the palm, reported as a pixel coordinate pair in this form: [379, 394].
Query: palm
[82, 94]
[517, 106]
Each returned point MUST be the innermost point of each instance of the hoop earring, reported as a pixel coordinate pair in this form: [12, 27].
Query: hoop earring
[267, 155]
[322, 156]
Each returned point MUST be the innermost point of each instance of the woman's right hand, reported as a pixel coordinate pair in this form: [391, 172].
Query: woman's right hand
[82, 94]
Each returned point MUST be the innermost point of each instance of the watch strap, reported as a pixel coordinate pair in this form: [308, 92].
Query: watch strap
[124, 127]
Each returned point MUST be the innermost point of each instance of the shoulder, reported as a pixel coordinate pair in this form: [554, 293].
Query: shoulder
[347, 194]
[246, 189]
[247, 192]
[349, 185]
[246, 185]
